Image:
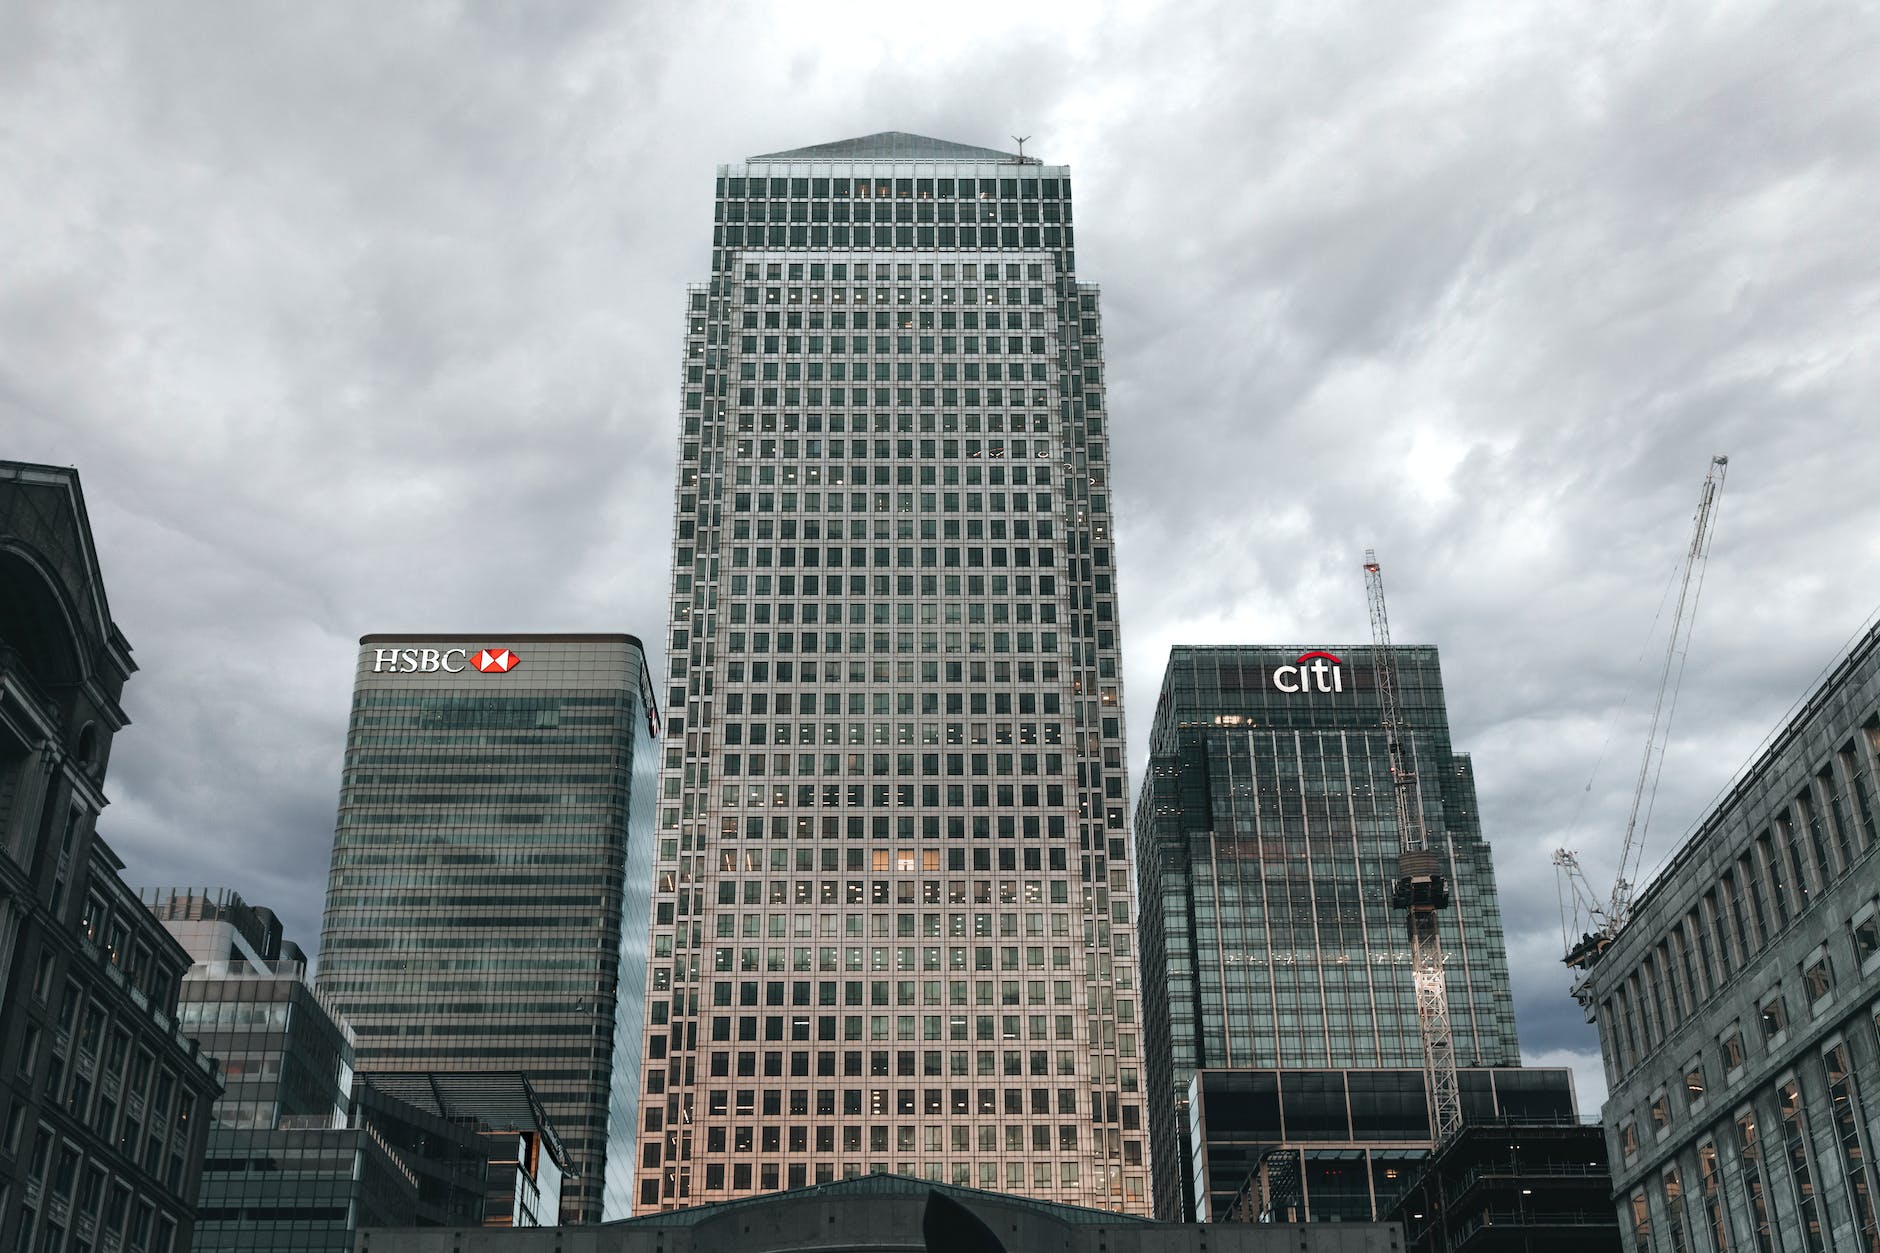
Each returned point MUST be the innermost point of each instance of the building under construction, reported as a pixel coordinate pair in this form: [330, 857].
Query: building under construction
[1513, 1187]
[1268, 843]
[1736, 999]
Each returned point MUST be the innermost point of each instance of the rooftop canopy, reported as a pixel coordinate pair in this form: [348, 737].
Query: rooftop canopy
[889, 146]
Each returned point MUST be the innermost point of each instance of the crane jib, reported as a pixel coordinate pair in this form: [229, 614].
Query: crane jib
[1604, 921]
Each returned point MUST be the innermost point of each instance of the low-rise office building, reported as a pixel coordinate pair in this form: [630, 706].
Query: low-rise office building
[302, 1152]
[282, 1168]
[1512, 1187]
[1318, 1145]
[1737, 1006]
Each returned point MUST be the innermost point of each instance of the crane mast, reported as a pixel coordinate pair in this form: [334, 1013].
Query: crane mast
[1420, 888]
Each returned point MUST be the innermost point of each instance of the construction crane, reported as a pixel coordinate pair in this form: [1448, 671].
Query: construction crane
[1420, 888]
[1599, 922]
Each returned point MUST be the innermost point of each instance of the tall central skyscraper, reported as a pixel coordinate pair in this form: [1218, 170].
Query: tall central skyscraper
[892, 922]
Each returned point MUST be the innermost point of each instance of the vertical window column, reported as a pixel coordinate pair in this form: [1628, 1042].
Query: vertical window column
[1673, 1185]
[1795, 1146]
[1849, 1118]
[1710, 1179]
[1755, 1182]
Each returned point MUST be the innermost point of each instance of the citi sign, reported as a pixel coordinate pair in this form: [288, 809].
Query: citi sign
[448, 660]
[1313, 672]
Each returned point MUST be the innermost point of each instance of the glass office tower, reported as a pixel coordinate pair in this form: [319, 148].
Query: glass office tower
[487, 904]
[892, 921]
[1267, 839]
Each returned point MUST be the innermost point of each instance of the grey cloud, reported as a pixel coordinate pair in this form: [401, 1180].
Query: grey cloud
[362, 321]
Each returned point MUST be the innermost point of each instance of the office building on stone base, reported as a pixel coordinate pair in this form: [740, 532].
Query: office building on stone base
[1739, 1006]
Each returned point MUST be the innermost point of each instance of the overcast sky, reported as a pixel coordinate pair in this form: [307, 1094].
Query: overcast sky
[367, 318]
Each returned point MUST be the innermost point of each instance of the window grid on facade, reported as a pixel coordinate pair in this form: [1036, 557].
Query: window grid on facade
[491, 860]
[892, 924]
[1779, 880]
[1266, 835]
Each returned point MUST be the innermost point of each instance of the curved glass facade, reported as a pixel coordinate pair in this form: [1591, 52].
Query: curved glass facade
[481, 897]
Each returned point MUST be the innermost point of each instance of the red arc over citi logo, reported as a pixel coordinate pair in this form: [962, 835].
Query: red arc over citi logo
[1317, 671]
[495, 661]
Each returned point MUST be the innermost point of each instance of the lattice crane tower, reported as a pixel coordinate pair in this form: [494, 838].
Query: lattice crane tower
[1420, 888]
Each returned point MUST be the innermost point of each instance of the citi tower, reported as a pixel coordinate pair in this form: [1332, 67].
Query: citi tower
[892, 927]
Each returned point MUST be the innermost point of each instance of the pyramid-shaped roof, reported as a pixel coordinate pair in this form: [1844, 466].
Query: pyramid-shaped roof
[889, 146]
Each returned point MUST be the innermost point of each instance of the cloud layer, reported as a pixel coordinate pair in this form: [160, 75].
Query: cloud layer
[366, 321]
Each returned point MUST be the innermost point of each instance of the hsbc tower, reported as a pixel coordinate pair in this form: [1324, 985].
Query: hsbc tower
[487, 904]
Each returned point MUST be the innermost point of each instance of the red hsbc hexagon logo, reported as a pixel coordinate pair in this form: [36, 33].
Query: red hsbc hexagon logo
[495, 660]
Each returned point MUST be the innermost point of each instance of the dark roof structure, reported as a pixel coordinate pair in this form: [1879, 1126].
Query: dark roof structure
[882, 1184]
[500, 1100]
[877, 1212]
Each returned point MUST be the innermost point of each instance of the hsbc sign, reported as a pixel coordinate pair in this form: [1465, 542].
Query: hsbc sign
[1313, 672]
[448, 660]
[495, 660]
